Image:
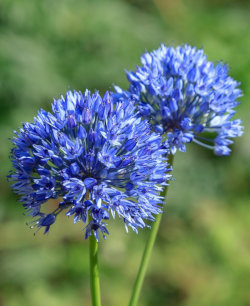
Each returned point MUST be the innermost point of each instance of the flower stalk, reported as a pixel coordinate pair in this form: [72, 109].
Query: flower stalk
[94, 271]
[148, 249]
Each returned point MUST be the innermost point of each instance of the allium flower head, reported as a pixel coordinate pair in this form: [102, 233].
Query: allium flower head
[97, 158]
[185, 97]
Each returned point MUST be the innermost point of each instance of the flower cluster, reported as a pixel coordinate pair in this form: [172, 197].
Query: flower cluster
[99, 159]
[102, 159]
[186, 98]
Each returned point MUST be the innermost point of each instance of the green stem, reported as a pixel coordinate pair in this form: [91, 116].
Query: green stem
[148, 250]
[94, 271]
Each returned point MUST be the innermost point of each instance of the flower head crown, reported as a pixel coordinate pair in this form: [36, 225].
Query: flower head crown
[186, 97]
[99, 159]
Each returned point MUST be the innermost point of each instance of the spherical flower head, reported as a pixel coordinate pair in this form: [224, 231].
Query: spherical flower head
[186, 98]
[99, 159]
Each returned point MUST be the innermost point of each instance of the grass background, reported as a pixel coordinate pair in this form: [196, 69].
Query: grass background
[202, 254]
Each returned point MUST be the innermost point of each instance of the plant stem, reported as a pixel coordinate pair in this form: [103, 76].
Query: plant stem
[94, 272]
[148, 249]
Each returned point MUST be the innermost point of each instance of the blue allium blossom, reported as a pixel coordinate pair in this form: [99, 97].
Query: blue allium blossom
[186, 98]
[97, 158]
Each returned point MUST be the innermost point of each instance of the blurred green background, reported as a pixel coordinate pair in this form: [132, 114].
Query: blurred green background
[202, 255]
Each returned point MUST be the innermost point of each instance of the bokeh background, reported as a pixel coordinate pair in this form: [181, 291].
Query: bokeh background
[202, 254]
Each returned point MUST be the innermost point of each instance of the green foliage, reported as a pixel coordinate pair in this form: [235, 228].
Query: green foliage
[202, 253]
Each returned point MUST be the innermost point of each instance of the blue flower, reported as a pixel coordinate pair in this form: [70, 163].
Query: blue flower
[99, 159]
[44, 221]
[186, 98]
